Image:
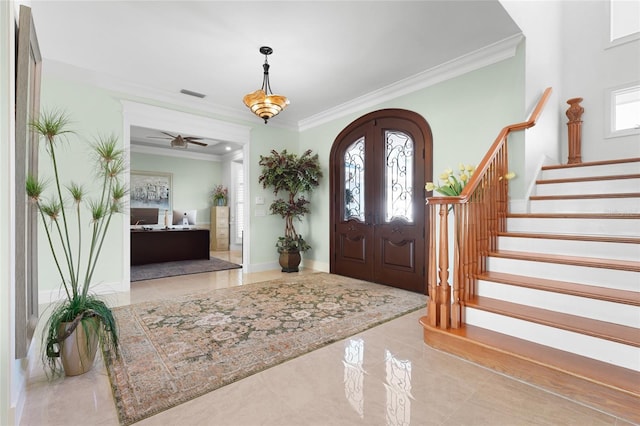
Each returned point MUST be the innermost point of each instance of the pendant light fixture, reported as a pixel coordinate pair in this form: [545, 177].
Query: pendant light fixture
[263, 102]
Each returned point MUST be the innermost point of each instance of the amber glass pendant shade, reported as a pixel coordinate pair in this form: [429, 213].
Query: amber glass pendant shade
[263, 102]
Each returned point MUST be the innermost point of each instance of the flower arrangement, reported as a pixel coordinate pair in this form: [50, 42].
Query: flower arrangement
[219, 195]
[453, 185]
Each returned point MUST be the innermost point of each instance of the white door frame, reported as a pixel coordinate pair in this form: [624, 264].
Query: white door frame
[138, 114]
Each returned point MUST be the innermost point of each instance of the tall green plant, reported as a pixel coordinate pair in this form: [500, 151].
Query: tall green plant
[63, 211]
[292, 175]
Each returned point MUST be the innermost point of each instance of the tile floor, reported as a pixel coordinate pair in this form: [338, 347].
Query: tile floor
[383, 376]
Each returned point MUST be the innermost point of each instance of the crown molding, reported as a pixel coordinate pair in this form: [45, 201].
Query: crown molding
[499, 51]
[131, 90]
[174, 153]
[488, 55]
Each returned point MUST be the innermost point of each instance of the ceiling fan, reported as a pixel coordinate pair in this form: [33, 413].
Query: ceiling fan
[179, 141]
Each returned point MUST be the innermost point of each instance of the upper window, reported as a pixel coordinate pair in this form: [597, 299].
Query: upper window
[624, 22]
[624, 107]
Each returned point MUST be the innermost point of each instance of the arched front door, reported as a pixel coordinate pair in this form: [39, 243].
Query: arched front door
[378, 167]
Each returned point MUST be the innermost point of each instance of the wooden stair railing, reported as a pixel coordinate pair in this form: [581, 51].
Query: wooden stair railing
[479, 214]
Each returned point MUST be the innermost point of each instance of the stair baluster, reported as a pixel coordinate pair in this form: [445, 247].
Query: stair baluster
[485, 199]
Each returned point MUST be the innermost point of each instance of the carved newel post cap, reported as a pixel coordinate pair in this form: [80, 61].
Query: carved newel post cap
[574, 101]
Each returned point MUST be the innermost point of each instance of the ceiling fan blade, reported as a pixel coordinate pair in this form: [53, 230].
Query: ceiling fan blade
[169, 134]
[158, 137]
[191, 138]
[197, 143]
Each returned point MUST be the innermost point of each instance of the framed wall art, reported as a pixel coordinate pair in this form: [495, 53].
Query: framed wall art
[151, 190]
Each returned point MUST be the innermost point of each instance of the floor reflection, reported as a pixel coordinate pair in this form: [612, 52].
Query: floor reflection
[354, 374]
[398, 385]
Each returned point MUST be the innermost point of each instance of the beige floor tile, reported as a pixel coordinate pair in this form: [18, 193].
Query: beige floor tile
[382, 376]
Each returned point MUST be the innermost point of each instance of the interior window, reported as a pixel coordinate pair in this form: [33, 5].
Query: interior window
[624, 19]
[625, 110]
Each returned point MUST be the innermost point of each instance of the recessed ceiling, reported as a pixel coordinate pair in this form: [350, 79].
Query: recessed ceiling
[326, 53]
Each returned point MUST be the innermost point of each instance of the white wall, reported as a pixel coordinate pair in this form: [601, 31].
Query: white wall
[7, 231]
[590, 67]
[12, 372]
[540, 22]
[568, 49]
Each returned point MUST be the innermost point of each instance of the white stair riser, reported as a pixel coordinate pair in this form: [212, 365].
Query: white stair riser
[604, 170]
[589, 205]
[609, 226]
[600, 277]
[602, 310]
[616, 186]
[603, 350]
[617, 251]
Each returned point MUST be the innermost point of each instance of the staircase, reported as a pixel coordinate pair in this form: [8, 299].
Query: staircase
[559, 303]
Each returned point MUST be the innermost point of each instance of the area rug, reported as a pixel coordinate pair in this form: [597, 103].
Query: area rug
[183, 267]
[178, 349]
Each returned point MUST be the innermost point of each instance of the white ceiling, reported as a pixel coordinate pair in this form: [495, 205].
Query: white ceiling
[157, 139]
[326, 53]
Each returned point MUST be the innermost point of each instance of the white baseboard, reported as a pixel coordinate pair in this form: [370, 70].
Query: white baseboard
[261, 267]
[104, 289]
[315, 265]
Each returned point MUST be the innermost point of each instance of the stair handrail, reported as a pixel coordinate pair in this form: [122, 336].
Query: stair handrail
[479, 214]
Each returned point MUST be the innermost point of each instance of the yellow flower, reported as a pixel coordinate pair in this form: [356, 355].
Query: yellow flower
[451, 184]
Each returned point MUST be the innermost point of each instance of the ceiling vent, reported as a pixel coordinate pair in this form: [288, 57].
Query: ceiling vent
[191, 93]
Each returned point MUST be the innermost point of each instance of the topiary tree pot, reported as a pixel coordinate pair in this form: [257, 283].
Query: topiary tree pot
[289, 261]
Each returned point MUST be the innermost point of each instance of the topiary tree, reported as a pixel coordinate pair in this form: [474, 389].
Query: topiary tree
[292, 175]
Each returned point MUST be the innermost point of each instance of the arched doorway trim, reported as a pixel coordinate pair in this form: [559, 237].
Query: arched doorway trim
[378, 166]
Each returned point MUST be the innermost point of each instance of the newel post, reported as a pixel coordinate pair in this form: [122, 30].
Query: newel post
[574, 113]
[444, 298]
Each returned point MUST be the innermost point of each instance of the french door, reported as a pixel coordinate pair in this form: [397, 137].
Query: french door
[378, 168]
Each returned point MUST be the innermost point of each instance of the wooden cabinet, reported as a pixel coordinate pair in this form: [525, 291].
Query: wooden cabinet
[219, 228]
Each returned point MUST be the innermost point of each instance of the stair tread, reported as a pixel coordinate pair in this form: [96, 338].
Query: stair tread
[593, 262]
[587, 326]
[573, 237]
[575, 215]
[592, 163]
[565, 287]
[587, 179]
[586, 196]
[598, 371]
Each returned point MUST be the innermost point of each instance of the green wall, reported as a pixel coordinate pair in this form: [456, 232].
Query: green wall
[192, 180]
[465, 114]
[92, 112]
[266, 229]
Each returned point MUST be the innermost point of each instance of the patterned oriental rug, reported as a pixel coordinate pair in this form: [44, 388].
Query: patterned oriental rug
[178, 349]
[183, 267]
